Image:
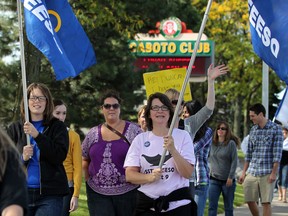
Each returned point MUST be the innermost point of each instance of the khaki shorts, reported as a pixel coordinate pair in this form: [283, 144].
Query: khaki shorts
[258, 187]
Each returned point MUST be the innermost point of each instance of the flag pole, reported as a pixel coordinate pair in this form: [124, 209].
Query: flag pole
[23, 69]
[188, 72]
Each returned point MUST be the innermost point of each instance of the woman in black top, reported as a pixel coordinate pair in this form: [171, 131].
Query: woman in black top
[46, 177]
[13, 190]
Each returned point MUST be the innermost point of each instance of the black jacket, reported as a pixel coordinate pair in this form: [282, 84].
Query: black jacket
[53, 144]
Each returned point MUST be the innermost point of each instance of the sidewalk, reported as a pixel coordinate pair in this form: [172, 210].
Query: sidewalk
[278, 208]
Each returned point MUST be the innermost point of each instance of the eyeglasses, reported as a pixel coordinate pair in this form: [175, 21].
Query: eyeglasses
[157, 108]
[39, 98]
[222, 128]
[108, 106]
[174, 102]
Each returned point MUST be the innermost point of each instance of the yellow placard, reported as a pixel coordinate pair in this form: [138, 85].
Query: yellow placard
[160, 81]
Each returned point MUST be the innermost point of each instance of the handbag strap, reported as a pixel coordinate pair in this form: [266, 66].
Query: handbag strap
[118, 133]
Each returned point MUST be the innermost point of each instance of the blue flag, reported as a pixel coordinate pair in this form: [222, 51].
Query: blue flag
[56, 32]
[268, 25]
[282, 111]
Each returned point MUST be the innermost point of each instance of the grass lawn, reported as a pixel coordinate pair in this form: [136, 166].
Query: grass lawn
[82, 202]
[238, 200]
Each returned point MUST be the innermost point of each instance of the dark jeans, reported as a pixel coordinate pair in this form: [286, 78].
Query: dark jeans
[113, 205]
[216, 187]
[41, 205]
[192, 188]
[180, 211]
[66, 202]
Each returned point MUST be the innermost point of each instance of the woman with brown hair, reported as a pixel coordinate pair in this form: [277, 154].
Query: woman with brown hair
[103, 153]
[162, 191]
[72, 163]
[223, 160]
[13, 189]
[43, 158]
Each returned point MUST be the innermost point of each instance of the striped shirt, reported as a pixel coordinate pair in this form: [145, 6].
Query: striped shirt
[264, 148]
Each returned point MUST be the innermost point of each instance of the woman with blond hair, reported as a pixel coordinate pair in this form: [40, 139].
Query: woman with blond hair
[141, 118]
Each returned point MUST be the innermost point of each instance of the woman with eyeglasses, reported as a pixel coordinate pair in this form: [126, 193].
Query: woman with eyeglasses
[43, 158]
[162, 191]
[103, 152]
[223, 160]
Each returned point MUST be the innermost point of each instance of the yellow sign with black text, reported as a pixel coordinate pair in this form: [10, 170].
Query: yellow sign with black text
[160, 81]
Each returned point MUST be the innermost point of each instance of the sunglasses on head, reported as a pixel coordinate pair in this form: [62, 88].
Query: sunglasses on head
[108, 106]
[222, 128]
[174, 102]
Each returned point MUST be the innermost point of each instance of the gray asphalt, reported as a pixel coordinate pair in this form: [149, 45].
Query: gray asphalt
[278, 208]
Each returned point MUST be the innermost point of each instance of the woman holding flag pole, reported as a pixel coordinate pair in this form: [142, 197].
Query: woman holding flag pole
[43, 158]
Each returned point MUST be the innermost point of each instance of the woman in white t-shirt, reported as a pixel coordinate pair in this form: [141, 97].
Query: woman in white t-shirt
[161, 191]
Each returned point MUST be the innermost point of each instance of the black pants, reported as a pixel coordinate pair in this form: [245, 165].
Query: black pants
[145, 203]
[180, 211]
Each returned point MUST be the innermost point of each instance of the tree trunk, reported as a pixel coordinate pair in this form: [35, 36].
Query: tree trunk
[237, 116]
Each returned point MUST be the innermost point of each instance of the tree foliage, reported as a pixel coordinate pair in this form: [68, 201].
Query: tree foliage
[110, 25]
[228, 26]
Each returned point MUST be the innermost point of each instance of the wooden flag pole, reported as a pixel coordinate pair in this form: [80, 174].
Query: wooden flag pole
[188, 72]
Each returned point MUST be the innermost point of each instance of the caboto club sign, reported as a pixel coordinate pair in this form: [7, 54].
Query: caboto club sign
[170, 46]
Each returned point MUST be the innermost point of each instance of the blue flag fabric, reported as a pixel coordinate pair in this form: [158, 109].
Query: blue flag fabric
[282, 111]
[53, 29]
[268, 25]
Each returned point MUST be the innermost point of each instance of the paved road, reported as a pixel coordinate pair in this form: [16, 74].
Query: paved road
[278, 208]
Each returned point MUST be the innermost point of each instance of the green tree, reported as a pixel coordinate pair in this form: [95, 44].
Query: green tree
[110, 25]
[9, 70]
[228, 26]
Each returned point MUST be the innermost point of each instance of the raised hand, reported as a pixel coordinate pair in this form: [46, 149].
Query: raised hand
[214, 72]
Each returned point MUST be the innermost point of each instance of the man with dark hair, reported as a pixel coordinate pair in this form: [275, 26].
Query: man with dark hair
[261, 160]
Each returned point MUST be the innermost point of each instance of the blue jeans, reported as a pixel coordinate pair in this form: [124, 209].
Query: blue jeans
[201, 193]
[217, 187]
[111, 205]
[41, 205]
[283, 176]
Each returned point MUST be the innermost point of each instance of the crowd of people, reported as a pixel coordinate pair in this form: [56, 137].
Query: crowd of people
[42, 160]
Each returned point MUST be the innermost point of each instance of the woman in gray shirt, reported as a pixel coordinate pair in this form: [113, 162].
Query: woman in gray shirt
[223, 163]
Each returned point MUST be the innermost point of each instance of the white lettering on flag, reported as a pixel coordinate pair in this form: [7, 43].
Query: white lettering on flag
[39, 10]
[263, 31]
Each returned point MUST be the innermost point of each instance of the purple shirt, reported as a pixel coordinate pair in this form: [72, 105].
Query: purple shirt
[106, 172]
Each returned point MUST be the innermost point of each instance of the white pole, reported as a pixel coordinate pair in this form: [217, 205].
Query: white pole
[188, 72]
[265, 87]
[23, 69]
